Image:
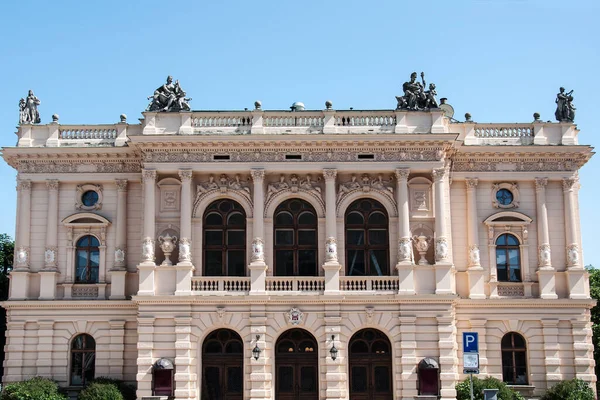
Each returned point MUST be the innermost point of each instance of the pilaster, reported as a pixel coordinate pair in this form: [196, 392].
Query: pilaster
[147, 266]
[118, 272]
[261, 377]
[185, 380]
[22, 248]
[474, 271]
[15, 349]
[258, 267]
[583, 351]
[443, 262]
[576, 274]
[551, 350]
[408, 356]
[332, 266]
[145, 357]
[448, 357]
[116, 348]
[478, 325]
[545, 272]
[45, 334]
[405, 265]
[185, 268]
[336, 377]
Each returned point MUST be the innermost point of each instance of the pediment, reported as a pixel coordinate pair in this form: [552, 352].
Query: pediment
[85, 219]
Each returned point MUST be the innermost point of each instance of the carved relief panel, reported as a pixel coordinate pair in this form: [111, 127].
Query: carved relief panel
[170, 190]
[420, 197]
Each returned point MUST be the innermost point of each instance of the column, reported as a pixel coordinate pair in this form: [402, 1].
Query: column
[185, 267]
[145, 358]
[261, 377]
[119, 271]
[258, 267]
[335, 370]
[49, 274]
[332, 265]
[545, 270]
[551, 350]
[19, 287]
[408, 355]
[185, 381]
[448, 357]
[147, 266]
[405, 265]
[443, 264]
[575, 270]
[474, 271]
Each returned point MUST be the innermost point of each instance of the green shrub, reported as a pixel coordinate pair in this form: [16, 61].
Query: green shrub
[504, 392]
[575, 389]
[32, 389]
[127, 390]
[100, 391]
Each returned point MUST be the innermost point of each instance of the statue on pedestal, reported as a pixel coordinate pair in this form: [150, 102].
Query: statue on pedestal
[169, 97]
[415, 97]
[28, 111]
[565, 110]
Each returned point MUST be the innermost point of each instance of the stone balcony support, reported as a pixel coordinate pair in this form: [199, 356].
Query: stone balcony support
[147, 266]
[258, 267]
[474, 271]
[576, 274]
[545, 272]
[405, 266]
[332, 265]
[185, 268]
[118, 272]
[443, 263]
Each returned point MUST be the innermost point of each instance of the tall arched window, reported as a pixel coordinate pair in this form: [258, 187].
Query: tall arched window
[224, 228]
[83, 359]
[370, 369]
[295, 232]
[508, 258]
[514, 359]
[87, 260]
[367, 245]
[222, 365]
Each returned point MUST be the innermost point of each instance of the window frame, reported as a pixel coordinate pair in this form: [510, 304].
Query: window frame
[506, 248]
[296, 227]
[88, 249]
[367, 247]
[85, 352]
[513, 351]
[224, 228]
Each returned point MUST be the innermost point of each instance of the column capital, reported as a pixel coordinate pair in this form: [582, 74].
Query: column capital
[23, 184]
[540, 183]
[330, 174]
[149, 175]
[438, 174]
[185, 175]
[258, 175]
[402, 173]
[570, 183]
[52, 184]
[121, 184]
[471, 183]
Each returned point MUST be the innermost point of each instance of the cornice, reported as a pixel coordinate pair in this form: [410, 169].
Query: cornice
[68, 304]
[522, 159]
[525, 303]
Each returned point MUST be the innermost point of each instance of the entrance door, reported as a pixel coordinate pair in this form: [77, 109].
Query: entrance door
[296, 361]
[222, 366]
[370, 366]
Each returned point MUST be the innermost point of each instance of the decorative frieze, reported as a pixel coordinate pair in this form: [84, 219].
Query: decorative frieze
[509, 162]
[223, 185]
[73, 166]
[511, 290]
[366, 184]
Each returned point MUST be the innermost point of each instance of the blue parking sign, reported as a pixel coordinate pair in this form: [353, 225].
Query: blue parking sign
[470, 342]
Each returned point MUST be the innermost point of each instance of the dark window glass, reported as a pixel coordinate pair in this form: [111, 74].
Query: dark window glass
[83, 360]
[212, 382]
[359, 379]
[87, 260]
[504, 197]
[213, 347]
[514, 359]
[308, 379]
[89, 198]
[508, 258]
[234, 379]
[367, 241]
[295, 231]
[286, 379]
[382, 379]
[224, 243]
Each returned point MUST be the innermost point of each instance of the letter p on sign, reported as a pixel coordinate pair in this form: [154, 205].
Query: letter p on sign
[470, 342]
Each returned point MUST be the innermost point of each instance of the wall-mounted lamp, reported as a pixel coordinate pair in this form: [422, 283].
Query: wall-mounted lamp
[256, 350]
[333, 351]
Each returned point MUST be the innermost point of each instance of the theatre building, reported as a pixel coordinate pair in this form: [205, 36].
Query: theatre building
[301, 254]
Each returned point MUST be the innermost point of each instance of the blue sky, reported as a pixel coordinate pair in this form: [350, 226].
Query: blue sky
[500, 60]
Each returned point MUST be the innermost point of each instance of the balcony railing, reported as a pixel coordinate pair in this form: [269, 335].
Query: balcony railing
[295, 284]
[220, 284]
[369, 284]
[82, 132]
[504, 133]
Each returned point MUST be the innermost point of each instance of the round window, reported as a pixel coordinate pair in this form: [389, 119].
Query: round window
[89, 198]
[504, 197]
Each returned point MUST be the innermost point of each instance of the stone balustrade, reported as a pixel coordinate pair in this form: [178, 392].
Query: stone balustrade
[220, 284]
[369, 284]
[295, 283]
[331, 122]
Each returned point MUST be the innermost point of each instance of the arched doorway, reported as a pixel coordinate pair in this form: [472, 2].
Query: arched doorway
[222, 366]
[296, 360]
[370, 366]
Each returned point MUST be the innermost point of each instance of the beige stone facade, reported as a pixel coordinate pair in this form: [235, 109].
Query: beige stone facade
[469, 227]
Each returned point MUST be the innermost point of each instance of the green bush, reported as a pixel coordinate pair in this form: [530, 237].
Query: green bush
[32, 389]
[504, 393]
[127, 390]
[100, 391]
[575, 389]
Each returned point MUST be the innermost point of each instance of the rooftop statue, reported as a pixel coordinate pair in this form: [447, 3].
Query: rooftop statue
[565, 110]
[169, 97]
[28, 112]
[415, 97]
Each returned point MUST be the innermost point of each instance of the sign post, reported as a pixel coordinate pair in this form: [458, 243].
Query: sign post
[471, 356]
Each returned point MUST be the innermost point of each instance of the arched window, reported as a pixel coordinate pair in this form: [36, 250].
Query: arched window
[508, 258]
[295, 232]
[87, 260]
[222, 365]
[297, 366]
[514, 359]
[83, 359]
[224, 228]
[367, 246]
[370, 354]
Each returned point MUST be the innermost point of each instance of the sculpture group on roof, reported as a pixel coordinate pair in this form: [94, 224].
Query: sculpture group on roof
[169, 97]
[565, 110]
[28, 112]
[415, 97]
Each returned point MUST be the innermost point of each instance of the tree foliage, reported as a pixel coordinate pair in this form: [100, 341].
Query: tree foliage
[32, 389]
[595, 316]
[575, 389]
[504, 392]
[100, 391]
